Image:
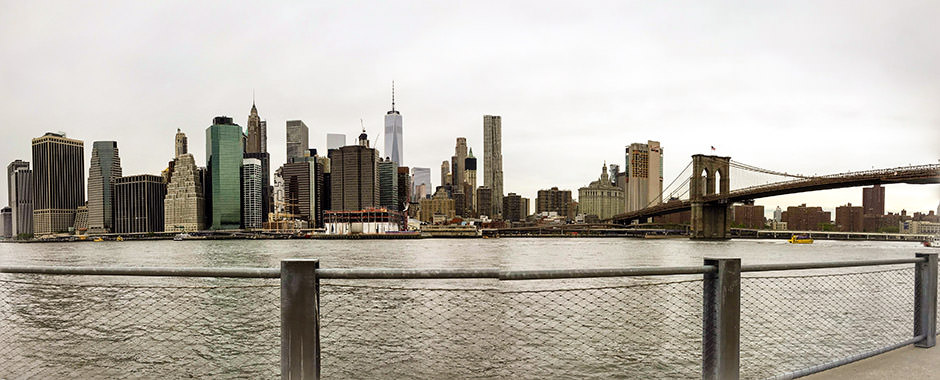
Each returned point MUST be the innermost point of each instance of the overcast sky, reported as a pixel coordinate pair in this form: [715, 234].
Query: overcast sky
[797, 86]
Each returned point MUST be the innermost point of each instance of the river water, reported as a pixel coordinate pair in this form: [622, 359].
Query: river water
[58, 326]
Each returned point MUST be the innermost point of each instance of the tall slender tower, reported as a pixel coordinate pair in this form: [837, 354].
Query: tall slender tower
[644, 175]
[20, 179]
[393, 133]
[470, 177]
[460, 152]
[257, 132]
[257, 148]
[493, 160]
[104, 169]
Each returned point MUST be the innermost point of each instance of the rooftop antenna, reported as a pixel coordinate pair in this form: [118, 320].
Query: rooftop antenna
[393, 95]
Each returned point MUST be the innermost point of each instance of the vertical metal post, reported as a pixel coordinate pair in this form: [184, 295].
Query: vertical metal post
[925, 300]
[721, 320]
[300, 320]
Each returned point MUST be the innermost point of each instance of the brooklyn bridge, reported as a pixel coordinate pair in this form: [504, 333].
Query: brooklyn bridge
[706, 190]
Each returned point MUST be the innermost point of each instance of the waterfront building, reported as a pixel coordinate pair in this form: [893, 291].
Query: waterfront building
[554, 200]
[404, 188]
[335, 141]
[6, 222]
[354, 177]
[803, 218]
[850, 218]
[369, 221]
[58, 182]
[297, 140]
[184, 203]
[873, 200]
[251, 193]
[388, 184]
[515, 208]
[303, 182]
[20, 196]
[104, 168]
[919, 227]
[493, 162]
[438, 207]
[484, 201]
[601, 197]
[139, 204]
[224, 156]
[181, 144]
[422, 177]
[644, 175]
[81, 220]
[470, 178]
[748, 216]
[393, 133]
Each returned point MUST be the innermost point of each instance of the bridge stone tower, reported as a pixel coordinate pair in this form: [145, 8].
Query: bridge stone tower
[711, 216]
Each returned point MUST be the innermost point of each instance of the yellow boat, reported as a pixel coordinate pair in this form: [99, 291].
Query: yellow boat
[800, 239]
[97, 239]
[122, 239]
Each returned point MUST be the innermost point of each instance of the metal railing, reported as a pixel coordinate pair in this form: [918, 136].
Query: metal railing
[348, 323]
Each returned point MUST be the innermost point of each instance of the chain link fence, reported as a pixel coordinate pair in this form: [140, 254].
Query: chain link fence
[793, 322]
[642, 327]
[633, 331]
[53, 328]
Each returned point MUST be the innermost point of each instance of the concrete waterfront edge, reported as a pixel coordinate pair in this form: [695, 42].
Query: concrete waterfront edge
[300, 320]
[721, 319]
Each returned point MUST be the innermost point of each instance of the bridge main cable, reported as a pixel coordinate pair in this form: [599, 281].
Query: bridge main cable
[753, 168]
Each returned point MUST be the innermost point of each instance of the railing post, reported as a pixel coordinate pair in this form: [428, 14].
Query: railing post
[925, 300]
[300, 320]
[721, 320]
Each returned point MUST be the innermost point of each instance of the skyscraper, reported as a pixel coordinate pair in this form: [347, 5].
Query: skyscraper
[393, 133]
[644, 175]
[6, 222]
[58, 182]
[873, 200]
[445, 171]
[460, 152]
[257, 132]
[223, 161]
[303, 190]
[493, 161]
[354, 177]
[184, 204]
[20, 194]
[138, 203]
[388, 184]
[251, 193]
[297, 140]
[105, 167]
[181, 144]
[470, 178]
[404, 187]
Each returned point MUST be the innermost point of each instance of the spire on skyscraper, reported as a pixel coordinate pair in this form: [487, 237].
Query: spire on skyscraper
[393, 95]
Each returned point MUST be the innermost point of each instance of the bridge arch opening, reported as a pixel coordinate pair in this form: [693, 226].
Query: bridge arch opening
[704, 179]
[717, 181]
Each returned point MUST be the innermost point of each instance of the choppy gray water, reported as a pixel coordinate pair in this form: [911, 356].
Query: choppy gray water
[55, 326]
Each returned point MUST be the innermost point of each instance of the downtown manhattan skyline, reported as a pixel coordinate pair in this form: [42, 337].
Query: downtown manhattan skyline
[810, 98]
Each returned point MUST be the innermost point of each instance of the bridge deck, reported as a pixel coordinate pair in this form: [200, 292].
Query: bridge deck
[906, 362]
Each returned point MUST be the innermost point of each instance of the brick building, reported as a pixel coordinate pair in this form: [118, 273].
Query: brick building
[748, 216]
[555, 200]
[802, 218]
[850, 218]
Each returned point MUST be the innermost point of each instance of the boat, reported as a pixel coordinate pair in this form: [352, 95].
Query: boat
[800, 239]
[933, 242]
[97, 239]
[182, 236]
[119, 239]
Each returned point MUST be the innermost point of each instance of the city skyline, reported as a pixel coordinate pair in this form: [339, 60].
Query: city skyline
[776, 96]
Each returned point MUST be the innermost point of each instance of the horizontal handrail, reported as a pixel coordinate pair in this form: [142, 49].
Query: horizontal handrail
[609, 272]
[827, 264]
[148, 271]
[405, 274]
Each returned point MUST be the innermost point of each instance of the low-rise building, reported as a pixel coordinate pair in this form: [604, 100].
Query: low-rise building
[368, 221]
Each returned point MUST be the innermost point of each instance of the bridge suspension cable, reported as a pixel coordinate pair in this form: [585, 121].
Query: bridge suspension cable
[661, 198]
[753, 168]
